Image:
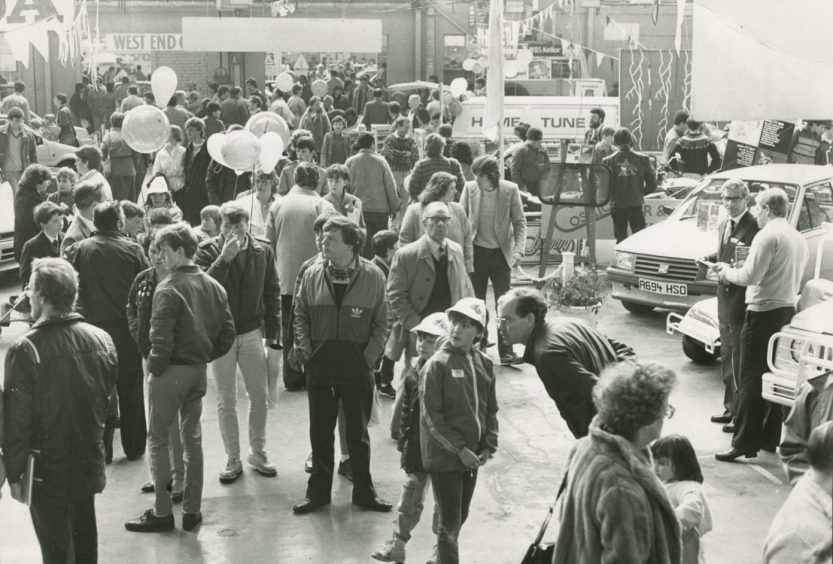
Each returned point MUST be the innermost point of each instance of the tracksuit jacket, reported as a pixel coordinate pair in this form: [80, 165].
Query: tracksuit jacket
[340, 344]
[459, 407]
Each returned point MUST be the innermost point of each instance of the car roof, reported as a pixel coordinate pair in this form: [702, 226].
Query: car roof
[801, 174]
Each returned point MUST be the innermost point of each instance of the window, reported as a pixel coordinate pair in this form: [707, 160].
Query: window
[817, 207]
[454, 51]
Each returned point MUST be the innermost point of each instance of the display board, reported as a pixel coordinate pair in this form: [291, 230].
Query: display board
[753, 143]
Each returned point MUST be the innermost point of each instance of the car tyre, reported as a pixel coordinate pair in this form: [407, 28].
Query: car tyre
[636, 308]
[697, 353]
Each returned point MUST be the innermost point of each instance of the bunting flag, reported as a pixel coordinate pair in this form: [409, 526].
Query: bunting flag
[678, 36]
[655, 12]
[493, 114]
[599, 58]
[24, 24]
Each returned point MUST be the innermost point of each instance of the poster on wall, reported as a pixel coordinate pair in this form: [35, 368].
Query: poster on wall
[540, 69]
[752, 143]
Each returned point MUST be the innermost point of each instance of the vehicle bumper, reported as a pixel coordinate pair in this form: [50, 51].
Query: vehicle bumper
[778, 388]
[626, 288]
[697, 330]
[7, 262]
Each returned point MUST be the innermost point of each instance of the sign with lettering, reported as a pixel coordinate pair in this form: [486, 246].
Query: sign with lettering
[27, 22]
[757, 142]
[139, 42]
[545, 49]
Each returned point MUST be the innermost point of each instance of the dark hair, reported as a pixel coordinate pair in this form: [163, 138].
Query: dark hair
[305, 143]
[172, 101]
[680, 117]
[213, 86]
[19, 86]
[296, 88]
[607, 130]
[196, 123]
[15, 113]
[383, 241]
[394, 108]
[338, 119]
[423, 116]
[106, 216]
[149, 97]
[489, 167]
[623, 137]
[34, 175]
[258, 101]
[365, 141]
[599, 112]
[527, 300]
[693, 124]
[212, 107]
[306, 175]
[521, 129]
[234, 213]
[251, 81]
[222, 90]
[445, 130]
[235, 91]
[401, 120]
[437, 188]
[176, 132]
[377, 92]
[434, 145]
[131, 209]
[462, 152]
[133, 89]
[56, 281]
[679, 452]
[338, 171]
[86, 194]
[91, 156]
[46, 211]
[351, 115]
[178, 236]
[351, 233]
[116, 119]
[480, 81]
[534, 134]
[61, 97]
[160, 216]
[322, 219]
[211, 212]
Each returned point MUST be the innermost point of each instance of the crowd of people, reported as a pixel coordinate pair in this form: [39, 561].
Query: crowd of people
[144, 275]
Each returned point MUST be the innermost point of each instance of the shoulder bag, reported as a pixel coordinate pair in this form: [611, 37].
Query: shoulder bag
[538, 553]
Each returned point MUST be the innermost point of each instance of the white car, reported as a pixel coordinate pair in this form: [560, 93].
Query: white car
[52, 153]
[7, 261]
[657, 266]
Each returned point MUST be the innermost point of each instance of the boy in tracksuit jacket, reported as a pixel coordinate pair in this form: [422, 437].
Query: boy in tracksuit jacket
[458, 424]
[428, 334]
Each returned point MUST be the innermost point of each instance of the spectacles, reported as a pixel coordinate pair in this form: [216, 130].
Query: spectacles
[438, 219]
[731, 198]
[505, 321]
[669, 411]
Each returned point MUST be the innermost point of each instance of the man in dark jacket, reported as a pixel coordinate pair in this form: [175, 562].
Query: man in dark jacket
[107, 263]
[376, 111]
[234, 111]
[568, 354]
[341, 322]
[45, 244]
[195, 196]
[222, 184]
[530, 163]
[632, 177]
[695, 151]
[191, 325]
[58, 378]
[17, 148]
[245, 266]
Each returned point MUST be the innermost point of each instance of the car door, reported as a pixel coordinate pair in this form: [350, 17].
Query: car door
[816, 210]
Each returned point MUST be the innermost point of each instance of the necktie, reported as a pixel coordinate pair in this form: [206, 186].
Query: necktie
[55, 246]
[441, 254]
[730, 228]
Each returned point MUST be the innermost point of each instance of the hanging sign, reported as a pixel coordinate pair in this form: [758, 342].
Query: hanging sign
[27, 22]
[141, 42]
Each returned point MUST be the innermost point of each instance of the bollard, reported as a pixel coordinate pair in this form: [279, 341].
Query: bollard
[568, 265]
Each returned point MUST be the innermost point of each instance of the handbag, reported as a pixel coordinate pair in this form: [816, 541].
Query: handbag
[538, 553]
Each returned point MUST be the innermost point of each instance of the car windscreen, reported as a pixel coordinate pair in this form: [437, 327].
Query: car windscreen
[708, 196]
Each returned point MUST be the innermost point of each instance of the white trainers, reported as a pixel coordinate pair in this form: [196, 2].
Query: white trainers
[232, 471]
[261, 463]
[392, 551]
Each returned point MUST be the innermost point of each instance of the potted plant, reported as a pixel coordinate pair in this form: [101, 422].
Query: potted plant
[580, 296]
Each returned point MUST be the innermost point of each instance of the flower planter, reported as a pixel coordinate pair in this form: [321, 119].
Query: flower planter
[589, 314]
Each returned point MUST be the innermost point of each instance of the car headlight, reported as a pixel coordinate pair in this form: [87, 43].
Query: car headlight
[623, 260]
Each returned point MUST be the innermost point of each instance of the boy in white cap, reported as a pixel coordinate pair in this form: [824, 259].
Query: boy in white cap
[458, 425]
[428, 333]
[158, 196]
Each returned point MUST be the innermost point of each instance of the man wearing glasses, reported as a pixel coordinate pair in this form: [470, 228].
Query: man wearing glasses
[734, 233]
[568, 354]
[427, 276]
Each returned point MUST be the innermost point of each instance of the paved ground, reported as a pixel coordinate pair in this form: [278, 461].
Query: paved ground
[251, 521]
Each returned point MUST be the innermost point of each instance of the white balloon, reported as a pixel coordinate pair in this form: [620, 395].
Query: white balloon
[241, 149]
[215, 148]
[458, 86]
[284, 82]
[146, 129]
[468, 64]
[524, 55]
[319, 88]
[477, 68]
[510, 69]
[263, 122]
[163, 84]
[271, 149]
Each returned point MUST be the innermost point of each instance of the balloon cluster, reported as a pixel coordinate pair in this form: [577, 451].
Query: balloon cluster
[261, 143]
[511, 68]
[146, 128]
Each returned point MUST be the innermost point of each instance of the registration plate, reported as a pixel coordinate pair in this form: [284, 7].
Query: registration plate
[666, 288]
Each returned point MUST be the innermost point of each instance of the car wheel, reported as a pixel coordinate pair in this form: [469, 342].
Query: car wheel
[636, 308]
[696, 352]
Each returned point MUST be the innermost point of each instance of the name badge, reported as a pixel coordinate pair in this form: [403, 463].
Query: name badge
[735, 241]
[455, 373]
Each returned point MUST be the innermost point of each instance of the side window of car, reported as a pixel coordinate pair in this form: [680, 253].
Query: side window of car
[817, 207]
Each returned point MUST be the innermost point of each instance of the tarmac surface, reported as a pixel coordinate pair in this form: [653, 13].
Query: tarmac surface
[251, 521]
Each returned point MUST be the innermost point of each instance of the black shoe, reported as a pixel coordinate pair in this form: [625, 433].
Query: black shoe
[308, 464]
[729, 428]
[294, 387]
[387, 391]
[150, 523]
[191, 520]
[769, 448]
[309, 505]
[134, 457]
[374, 504]
[733, 454]
[723, 419]
[176, 498]
[346, 469]
[148, 488]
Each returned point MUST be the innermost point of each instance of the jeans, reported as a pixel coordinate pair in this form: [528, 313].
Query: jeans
[291, 378]
[13, 178]
[404, 198]
[410, 506]
[248, 353]
[179, 389]
[174, 442]
[324, 402]
[65, 527]
[730, 364]
[757, 421]
[375, 222]
[624, 216]
[453, 492]
[491, 264]
[123, 188]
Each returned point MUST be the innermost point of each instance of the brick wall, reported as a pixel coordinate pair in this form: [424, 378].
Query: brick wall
[188, 66]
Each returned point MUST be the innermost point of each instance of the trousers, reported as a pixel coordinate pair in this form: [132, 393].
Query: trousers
[174, 442]
[356, 402]
[757, 421]
[247, 352]
[453, 492]
[490, 264]
[292, 378]
[178, 390]
[622, 217]
[410, 506]
[375, 222]
[66, 528]
[730, 364]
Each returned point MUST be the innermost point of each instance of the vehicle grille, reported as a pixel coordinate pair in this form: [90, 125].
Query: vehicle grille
[682, 270]
[7, 254]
